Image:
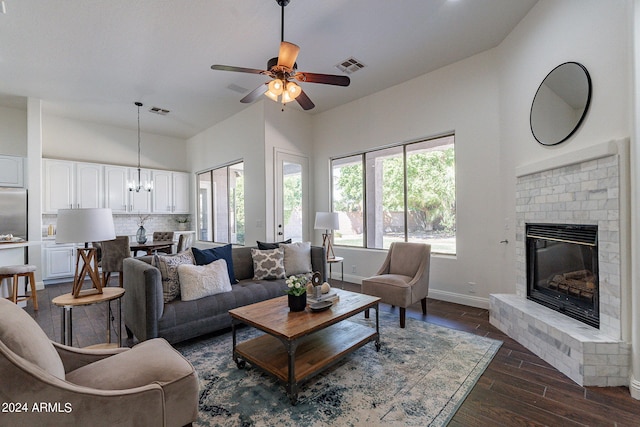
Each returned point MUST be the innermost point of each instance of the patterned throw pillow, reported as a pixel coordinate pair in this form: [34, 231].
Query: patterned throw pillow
[198, 281]
[168, 266]
[268, 264]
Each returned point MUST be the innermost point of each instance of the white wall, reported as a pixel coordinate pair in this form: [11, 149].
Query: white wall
[241, 137]
[289, 131]
[70, 139]
[13, 131]
[591, 32]
[462, 98]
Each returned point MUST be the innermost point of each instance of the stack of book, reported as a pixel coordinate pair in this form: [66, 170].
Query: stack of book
[331, 296]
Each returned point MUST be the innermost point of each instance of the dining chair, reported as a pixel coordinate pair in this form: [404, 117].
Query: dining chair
[163, 236]
[113, 253]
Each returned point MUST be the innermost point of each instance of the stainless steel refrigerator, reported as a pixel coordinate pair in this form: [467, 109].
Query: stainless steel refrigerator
[13, 212]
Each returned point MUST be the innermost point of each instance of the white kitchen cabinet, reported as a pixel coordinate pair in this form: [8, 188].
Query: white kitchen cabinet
[58, 261]
[58, 186]
[71, 185]
[89, 192]
[11, 171]
[180, 192]
[170, 192]
[118, 197]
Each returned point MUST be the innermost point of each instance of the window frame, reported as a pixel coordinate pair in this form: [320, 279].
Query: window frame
[230, 203]
[406, 150]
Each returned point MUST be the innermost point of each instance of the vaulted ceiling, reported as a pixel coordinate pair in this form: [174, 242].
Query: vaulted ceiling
[91, 60]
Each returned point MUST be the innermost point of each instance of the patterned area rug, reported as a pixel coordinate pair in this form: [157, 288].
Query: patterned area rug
[420, 377]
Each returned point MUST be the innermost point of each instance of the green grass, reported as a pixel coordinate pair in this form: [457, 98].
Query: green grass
[443, 245]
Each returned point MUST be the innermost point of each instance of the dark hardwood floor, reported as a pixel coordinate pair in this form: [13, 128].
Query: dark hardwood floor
[517, 389]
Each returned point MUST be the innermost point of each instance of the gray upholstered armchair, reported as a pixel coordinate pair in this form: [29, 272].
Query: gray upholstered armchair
[45, 383]
[403, 279]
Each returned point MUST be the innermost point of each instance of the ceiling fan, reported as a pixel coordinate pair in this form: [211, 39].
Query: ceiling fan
[283, 70]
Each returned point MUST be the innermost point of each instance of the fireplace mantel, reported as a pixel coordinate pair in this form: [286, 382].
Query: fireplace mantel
[598, 151]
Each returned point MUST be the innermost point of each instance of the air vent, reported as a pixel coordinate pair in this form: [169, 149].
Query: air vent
[237, 88]
[350, 65]
[158, 110]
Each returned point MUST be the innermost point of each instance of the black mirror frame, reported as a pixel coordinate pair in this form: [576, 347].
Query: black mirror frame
[584, 113]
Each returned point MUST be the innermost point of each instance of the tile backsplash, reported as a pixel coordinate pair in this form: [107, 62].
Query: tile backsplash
[127, 225]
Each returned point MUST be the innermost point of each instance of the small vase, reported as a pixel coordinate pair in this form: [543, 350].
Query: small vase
[182, 226]
[297, 302]
[141, 235]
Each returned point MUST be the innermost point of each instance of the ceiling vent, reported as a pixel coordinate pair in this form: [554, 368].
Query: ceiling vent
[350, 65]
[158, 110]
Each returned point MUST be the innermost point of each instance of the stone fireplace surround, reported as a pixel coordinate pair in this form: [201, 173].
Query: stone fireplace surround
[589, 186]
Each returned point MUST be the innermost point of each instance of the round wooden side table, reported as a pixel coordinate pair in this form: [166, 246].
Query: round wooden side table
[68, 301]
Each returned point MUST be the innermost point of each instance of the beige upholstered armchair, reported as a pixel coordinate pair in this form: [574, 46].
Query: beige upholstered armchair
[403, 279]
[44, 383]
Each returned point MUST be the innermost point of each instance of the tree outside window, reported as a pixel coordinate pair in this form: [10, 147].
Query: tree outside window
[403, 193]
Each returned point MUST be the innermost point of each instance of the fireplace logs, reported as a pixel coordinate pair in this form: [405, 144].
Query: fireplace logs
[580, 284]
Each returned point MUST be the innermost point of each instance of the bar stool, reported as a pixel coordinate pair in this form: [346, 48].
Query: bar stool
[16, 271]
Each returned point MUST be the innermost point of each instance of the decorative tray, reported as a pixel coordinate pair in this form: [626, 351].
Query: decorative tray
[320, 305]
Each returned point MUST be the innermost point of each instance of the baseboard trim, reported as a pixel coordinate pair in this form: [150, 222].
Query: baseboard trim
[469, 300]
[634, 387]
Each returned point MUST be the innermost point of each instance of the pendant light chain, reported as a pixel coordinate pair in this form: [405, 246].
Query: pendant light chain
[139, 186]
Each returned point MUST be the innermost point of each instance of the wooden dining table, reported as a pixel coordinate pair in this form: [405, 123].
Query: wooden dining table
[150, 246]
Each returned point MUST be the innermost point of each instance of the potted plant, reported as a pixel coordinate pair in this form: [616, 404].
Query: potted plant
[182, 223]
[297, 292]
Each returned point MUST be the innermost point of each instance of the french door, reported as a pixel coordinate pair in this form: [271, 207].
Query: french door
[291, 197]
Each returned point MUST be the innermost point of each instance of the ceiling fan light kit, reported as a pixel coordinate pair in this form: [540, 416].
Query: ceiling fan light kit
[282, 70]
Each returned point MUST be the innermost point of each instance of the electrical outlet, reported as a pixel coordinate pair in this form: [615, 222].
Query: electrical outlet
[353, 268]
[472, 287]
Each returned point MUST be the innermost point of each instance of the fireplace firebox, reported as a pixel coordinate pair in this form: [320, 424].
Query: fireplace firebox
[562, 269]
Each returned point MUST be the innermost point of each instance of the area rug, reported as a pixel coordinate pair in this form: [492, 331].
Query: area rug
[420, 377]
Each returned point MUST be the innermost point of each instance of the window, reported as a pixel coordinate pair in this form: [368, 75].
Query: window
[221, 204]
[402, 193]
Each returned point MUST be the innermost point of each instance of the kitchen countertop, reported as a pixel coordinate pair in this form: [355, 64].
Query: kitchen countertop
[18, 245]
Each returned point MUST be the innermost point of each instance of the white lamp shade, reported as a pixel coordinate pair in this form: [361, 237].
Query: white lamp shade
[84, 225]
[327, 221]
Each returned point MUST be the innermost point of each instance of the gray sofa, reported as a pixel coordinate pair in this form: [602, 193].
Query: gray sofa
[147, 316]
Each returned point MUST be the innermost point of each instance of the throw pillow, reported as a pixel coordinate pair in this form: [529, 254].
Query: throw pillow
[263, 245]
[168, 266]
[268, 264]
[207, 256]
[198, 281]
[297, 258]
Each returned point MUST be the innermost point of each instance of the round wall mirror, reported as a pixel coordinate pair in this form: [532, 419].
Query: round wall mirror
[561, 103]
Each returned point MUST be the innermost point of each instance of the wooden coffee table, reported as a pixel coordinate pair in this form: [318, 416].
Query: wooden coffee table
[299, 345]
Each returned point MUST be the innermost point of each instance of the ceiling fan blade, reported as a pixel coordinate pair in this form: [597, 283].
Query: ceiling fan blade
[304, 101]
[255, 94]
[238, 69]
[288, 54]
[327, 79]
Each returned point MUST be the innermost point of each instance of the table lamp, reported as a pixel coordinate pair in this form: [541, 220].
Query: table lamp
[327, 221]
[84, 226]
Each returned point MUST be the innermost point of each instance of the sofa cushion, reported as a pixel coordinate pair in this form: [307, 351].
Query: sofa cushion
[268, 264]
[162, 364]
[198, 281]
[207, 256]
[22, 335]
[168, 266]
[264, 245]
[297, 258]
